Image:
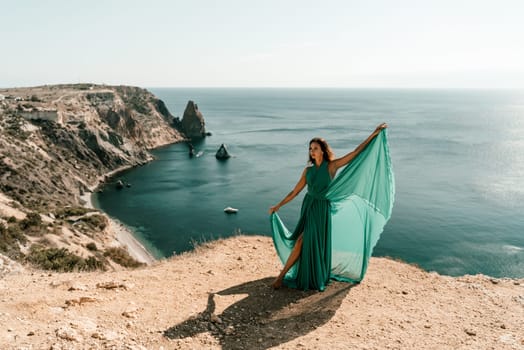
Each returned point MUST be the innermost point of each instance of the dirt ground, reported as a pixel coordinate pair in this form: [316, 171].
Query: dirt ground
[218, 297]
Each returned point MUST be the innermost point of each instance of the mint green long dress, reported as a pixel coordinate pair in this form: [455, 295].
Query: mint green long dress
[341, 219]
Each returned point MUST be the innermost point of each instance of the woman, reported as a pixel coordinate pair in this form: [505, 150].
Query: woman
[311, 244]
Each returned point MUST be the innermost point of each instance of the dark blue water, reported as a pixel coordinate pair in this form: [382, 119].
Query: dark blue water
[458, 157]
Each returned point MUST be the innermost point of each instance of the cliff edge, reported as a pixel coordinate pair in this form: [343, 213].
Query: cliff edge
[218, 297]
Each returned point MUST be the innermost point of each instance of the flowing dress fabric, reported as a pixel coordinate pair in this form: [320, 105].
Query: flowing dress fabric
[340, 220]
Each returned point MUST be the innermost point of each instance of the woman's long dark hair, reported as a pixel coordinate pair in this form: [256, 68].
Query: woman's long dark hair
[327, 152]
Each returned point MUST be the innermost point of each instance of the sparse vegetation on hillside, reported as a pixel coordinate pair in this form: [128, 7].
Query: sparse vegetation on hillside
[61, 259]
[82, 86]
[11, 237]
[95, 221]
[13, 126]
[136, 98]
[122, 257]
[48, 257]
[31, 221]
[62, 213]
[100, 97]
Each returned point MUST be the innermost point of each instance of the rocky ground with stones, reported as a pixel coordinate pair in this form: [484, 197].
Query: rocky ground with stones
[218, 297]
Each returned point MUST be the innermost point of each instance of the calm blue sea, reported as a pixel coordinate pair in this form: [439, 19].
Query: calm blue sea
[458, 158]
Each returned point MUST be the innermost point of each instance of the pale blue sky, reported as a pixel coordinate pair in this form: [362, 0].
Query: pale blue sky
[376, 43]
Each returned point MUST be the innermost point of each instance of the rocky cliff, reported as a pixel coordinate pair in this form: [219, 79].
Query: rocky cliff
[55, 144]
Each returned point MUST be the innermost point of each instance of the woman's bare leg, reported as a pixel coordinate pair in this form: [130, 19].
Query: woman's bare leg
[293, 257]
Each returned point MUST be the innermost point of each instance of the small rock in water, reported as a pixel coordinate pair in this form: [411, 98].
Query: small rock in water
[222, 152]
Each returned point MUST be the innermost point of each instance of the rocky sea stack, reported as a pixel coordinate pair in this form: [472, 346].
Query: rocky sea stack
[193, 124]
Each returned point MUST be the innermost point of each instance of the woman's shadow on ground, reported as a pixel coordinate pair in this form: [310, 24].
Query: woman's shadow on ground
[264, 318]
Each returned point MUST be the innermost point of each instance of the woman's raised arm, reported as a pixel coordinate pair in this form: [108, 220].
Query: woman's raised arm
[340, 162]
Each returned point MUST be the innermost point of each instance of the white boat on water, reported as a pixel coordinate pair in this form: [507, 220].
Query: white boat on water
[230, 210]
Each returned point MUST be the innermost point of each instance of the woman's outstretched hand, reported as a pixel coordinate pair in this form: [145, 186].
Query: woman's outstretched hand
[381, 126]
[273, 209]
[379, 129]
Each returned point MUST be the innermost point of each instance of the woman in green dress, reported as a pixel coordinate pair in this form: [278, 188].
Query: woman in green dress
[310, 244]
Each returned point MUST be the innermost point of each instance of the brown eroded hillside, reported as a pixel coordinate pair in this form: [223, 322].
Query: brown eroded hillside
[56, 144]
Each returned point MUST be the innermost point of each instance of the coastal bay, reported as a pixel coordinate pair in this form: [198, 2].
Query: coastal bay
[457, 159]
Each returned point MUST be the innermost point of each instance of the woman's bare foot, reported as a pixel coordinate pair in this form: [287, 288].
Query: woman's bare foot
[277, 283]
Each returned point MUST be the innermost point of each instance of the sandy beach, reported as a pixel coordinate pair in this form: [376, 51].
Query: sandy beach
[122, 233]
